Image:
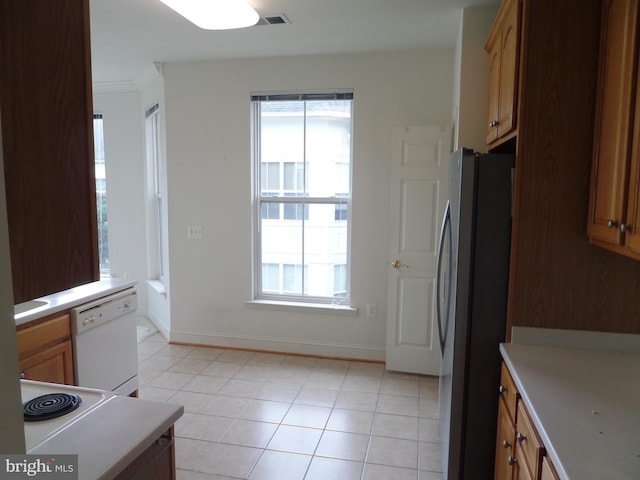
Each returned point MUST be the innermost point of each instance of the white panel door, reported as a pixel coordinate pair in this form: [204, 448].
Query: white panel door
[419, 184]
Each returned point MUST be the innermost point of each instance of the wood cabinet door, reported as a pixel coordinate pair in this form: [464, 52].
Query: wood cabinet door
[614, 110]
[547, 471]
[504, 444]
[632, 219]
[157, 462]
[53, 364]
[47, 132]
[508, 71]
[528, 444]
[520, 469]
[494, 91]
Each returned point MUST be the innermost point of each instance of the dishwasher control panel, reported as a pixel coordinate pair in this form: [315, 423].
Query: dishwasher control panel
[90, 315]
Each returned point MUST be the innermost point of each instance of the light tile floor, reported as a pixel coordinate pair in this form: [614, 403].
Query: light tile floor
[260, 416]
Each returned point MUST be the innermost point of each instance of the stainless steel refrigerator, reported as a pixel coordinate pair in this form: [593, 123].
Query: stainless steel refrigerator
[473, 271]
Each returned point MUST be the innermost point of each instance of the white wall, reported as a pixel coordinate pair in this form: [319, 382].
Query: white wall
[130, 209]
[159, 295]
[209, 168]
[472, 78]
[124, 154]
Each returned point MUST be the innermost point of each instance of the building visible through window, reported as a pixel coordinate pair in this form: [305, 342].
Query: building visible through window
[101, 193]
[302, 188]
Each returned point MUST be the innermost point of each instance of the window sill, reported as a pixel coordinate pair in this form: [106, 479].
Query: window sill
[302, 307]
[158, 286]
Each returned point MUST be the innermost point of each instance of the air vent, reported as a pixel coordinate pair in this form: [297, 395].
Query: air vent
[274, 20]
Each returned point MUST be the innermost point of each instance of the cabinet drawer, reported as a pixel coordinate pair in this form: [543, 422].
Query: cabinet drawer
[528, 442]
[508, 392]
[33, 338]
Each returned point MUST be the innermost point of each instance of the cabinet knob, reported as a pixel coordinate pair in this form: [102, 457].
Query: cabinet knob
[493, 123]
[624, 227]
[23, 375]
[502, 389]
[612, 224]
[521, 437]
[511, 460]
[506, 444]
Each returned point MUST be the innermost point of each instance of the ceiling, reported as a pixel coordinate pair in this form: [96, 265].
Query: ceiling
[128, 35]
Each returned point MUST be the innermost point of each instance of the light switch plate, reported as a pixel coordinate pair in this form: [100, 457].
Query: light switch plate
[194, 232]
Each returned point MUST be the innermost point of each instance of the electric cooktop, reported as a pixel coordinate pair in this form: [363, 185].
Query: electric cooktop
[48, 408]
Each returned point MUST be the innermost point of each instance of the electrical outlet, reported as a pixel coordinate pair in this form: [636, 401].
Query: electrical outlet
[372, 310]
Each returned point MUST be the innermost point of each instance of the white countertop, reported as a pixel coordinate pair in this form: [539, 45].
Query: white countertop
[73, 297]
[107, 436]
[585, 404]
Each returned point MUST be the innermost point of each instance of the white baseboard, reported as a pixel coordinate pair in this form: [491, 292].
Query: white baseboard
[159, 325]
[300, 347]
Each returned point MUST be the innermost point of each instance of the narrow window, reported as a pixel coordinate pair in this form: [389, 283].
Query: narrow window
[302, 196]
[152, 127]
[101, 193]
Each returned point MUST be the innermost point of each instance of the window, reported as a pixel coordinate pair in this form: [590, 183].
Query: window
[302, 195]
[101, 193]
[152, 127]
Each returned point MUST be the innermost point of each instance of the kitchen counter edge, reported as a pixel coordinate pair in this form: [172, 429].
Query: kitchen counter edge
[67, 299]
[112, 435]
[559, 386]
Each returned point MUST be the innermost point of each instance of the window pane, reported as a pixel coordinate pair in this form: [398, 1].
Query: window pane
[328, 142]
[339, 280]
[270, 177]
[270, 210]
[296, 211]
[341, 212]
[325, 246]
[294, 176]
[282, 132]
[271, 277]
[281, 243]
[342, 179]
[154, 165]
[292, 279]
[101, 194]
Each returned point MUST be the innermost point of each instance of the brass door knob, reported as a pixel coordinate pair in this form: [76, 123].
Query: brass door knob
[397, 264]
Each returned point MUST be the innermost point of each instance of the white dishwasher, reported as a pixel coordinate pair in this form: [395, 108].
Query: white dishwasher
[105, 344]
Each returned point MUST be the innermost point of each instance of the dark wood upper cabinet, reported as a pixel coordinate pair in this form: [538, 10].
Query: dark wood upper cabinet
[47, 134]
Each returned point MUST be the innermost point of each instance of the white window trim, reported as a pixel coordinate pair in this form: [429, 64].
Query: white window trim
[281, 301]
[154, 182]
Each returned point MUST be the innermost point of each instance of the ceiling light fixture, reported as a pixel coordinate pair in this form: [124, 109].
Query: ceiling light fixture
[215, 14]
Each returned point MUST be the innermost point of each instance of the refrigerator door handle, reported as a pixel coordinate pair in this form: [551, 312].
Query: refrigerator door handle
[446, 224]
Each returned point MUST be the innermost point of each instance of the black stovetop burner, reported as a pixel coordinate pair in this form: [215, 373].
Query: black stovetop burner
[49, 406]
